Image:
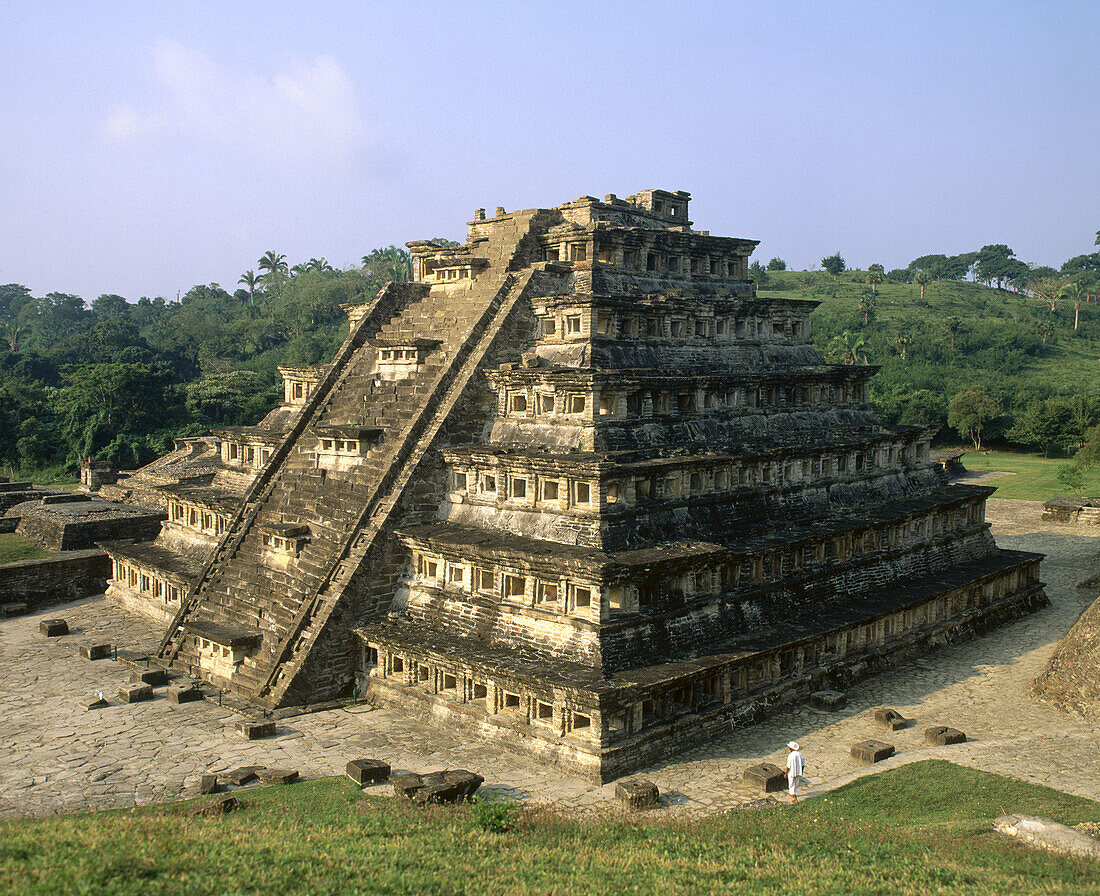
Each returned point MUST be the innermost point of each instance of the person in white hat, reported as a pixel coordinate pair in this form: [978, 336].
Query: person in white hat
[795, 764]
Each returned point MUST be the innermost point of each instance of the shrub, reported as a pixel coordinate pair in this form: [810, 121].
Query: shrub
[494, 814]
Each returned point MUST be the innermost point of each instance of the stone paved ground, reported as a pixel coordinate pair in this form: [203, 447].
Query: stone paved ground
[60, 757]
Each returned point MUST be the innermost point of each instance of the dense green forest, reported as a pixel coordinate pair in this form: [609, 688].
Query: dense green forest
[1011, 355]
[117, 380]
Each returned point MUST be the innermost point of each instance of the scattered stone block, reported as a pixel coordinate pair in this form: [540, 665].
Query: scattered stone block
[95, 651]
[220, 805]
[466, 782]
[367, 771]
[96, 702]
[436, 789]
[53, 628]
[256, 730]
[14, 609]
[135, 693]
[276, 776]
[246, 774]
[868, 752]
[406, 784]
[208, 784]
[890, 718]
[152, 677]
[830, 700]
[637, 794]
[187, 694]
[766, 777]
[942, 736]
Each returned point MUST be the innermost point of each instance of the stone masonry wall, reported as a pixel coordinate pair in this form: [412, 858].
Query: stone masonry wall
[70, 575]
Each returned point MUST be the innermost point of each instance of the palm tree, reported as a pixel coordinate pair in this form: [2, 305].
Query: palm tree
[318, 264]
[13, 335]
[876, 274]
[867, 307]
[249, 279]
[1073, 291]
[922, 279]
[393, 263]
[847, 348]
[273, 265]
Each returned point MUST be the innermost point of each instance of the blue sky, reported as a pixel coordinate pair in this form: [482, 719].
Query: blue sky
[150, 146]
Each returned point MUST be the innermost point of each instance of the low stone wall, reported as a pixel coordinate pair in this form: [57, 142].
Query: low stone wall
[69, 575]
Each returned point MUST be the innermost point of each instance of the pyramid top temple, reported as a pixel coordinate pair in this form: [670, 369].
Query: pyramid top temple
[578, 489]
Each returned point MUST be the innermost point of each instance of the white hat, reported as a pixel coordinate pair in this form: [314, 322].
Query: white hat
[792, 744]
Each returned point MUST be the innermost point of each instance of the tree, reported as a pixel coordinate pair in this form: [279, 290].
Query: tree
[922, 279]
[834, 264]
[867, 307]
[249, 279]
[1073, 291]
[876, 274]
[758, 273]
[274, 267]
[109, 305]
[777, 264]
[389, 263]
[970, 412]
[1049, 289]
[903, 342]
[846, 349]
[992, 264]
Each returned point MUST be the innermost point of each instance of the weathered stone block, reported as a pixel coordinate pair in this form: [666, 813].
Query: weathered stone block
[868, 752]
[466, 782]
[942, 736]
[276, 776]
[637, 794]
[436, 789]
[830, 700]
[14, 609]
[53, 628]
[246, 774]
[367, 771]
[96, 702]
[765, 776]
[95, 651]
[208, 784]
[152, 677]
[220, 805]
[406, 784]
[187, 694]
[890, 718]
[256, 730]
[135, 693]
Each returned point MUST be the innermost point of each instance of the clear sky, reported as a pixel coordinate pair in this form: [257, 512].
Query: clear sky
[146, 147]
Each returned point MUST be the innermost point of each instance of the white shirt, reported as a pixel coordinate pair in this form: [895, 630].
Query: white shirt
[794, 764]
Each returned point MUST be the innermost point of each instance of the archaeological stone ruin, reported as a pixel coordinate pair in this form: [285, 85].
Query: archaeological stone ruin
[576, 489]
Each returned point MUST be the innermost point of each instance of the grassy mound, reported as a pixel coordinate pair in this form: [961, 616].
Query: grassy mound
[921, 829]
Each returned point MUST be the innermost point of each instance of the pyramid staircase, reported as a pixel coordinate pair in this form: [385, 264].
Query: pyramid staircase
[288, 610]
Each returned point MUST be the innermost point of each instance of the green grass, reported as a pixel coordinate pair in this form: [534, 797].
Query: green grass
[1035, 479]
[15, 547]
[921, 829]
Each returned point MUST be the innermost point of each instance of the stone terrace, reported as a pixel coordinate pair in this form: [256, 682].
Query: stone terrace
[61, 758]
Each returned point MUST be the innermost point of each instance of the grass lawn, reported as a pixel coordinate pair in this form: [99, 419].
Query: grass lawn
[1036, 476]
[15, 547]
[921, 829]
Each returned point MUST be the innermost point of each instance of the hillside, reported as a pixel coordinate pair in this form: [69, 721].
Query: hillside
[961, 333]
